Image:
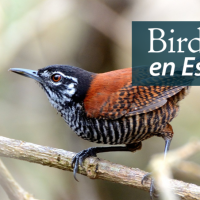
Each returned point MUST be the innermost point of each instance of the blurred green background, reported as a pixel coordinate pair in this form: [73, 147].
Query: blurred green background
[94, 35]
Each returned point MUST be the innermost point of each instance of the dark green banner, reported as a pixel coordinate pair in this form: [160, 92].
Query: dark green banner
[166, 53]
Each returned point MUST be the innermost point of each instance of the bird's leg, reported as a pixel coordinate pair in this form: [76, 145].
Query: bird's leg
[167, 135]
[92, 151]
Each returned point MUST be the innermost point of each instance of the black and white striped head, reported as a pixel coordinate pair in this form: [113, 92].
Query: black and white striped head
[62, 83]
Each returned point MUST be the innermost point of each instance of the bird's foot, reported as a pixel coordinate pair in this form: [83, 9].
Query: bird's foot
[80, 157]
[153, 190]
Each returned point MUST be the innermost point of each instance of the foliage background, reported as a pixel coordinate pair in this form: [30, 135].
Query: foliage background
[94, 35]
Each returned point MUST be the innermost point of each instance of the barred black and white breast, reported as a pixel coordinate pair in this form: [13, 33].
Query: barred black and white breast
[125, 129]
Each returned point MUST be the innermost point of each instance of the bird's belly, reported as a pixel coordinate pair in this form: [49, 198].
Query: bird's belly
[127, 130]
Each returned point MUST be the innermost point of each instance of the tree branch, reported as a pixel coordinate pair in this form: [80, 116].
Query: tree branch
[93, 167]
[11, 187]
[162, 170]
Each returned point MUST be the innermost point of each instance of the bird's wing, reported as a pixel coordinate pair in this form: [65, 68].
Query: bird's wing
[113, 96]
[134, 100]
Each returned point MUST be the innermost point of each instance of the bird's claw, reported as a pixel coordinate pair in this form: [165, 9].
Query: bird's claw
[80, 157]
[153, 190]
[145, 178]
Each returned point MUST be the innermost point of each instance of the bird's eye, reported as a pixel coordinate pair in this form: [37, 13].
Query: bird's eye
[56, 78]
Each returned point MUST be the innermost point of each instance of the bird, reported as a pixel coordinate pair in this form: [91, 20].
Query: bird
[106, 108]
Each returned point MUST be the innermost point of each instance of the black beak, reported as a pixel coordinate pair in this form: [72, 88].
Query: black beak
[27, 73]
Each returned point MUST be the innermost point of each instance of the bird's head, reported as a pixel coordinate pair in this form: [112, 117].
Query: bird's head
[62, 83]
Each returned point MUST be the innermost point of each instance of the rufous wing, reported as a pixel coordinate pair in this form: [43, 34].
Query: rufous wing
[111, 96]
